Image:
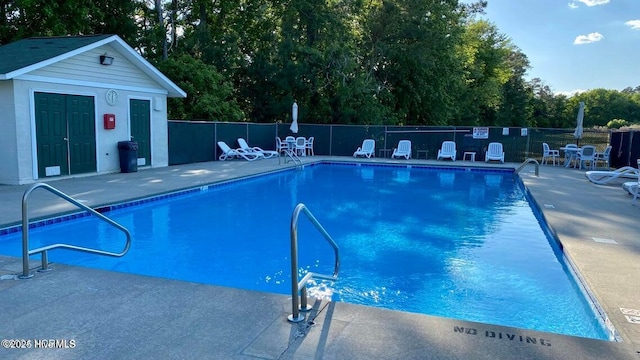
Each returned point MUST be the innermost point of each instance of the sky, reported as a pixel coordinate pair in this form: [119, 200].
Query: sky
[574, 45]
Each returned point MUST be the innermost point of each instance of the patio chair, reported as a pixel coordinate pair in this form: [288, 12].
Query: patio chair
[587, 153]
[403, 150]
[228, 152]
[255, 149]
[603, 177]
[281, 146]
[603, 157]
[447, 150]
[301, 146]
[548, 153]
[494, 152]
[308, 145]
[367, 149]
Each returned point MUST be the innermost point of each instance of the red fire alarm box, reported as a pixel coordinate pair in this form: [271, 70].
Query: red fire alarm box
[109, 121]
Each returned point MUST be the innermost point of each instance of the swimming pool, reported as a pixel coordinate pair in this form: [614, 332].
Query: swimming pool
[458, 243]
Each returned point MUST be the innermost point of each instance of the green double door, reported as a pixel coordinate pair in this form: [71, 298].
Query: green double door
[65, 134]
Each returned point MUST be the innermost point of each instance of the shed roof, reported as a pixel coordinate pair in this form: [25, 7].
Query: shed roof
[23, 56]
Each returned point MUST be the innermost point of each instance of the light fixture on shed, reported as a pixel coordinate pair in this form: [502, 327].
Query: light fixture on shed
[106, 59]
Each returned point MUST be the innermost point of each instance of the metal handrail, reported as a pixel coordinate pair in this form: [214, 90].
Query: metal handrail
[43, 250]
[300, 303]
[529, 161]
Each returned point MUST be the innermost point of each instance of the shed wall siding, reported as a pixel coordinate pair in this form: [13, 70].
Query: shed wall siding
[85, 67]
[8, 137]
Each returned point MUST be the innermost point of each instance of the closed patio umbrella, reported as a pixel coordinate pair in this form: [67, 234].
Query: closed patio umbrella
[579, 120]
[294, 116]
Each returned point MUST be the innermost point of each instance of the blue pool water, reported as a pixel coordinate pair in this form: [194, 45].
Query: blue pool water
[456, 243]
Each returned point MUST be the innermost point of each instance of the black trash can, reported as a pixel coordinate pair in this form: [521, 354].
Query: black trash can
[128, 151]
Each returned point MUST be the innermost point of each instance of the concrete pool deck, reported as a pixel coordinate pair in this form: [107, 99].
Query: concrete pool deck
[112, 315]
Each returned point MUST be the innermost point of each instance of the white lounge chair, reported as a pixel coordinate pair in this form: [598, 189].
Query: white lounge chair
[367, 149]
[267, 154]
[547, 153]
[447, 151]
[494, 152]
[601, 177]
[228, 152]
[403, 150]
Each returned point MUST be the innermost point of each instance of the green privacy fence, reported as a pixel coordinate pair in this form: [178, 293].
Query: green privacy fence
[191, 141]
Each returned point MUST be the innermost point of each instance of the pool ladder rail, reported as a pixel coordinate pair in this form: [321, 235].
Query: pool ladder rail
[290, 155]
[43, 250]
[299, 303]
[527, 162]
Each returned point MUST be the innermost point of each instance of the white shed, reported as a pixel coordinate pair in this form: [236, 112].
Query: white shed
[66, 102]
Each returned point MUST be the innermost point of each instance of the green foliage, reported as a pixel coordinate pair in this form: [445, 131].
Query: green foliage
[209, 96]
[412, 62]
[617, 123]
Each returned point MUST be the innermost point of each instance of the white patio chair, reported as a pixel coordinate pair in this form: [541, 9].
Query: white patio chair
[301, 146]
[228, 152]
[255, 149]
[603, 157]
[281, 146]
[494, 152]
[309, 146]
[403, 150]
[587, 153]
[547, 153]
[447, 151]
[367, 149]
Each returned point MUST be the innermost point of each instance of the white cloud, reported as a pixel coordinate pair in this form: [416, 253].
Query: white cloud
[573, 5]
[570, 93]
[586, 39]
[634, 24]
[594, 2]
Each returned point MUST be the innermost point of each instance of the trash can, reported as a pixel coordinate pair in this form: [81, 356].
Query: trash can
[128, 151]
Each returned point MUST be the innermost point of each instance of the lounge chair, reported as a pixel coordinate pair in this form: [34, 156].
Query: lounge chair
[601, 177]
[267, 154]
[547, 153]
[447, 150]
[403, 150]
[367, 149]
[494, 152]
[228, 152]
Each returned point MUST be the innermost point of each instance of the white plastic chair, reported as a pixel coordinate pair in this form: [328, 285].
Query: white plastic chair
[548, 153]
[587, 153]
[309, 146]
[494, 152]
[403, 150]
[367, 149]
[301, 146]
[603, 156]
[447, 151]
[281, 146]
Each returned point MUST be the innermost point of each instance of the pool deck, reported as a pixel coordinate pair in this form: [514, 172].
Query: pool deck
[98, 314]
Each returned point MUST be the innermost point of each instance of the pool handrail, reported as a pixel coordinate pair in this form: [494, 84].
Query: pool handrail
[300, 303]
[43, 250]
[529, 161]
